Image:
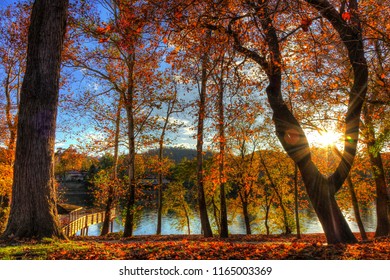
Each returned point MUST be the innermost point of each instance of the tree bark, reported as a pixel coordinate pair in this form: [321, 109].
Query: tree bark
[111, 192]
[355, 205]
[11, 120]
[129, 105]
[186, 212]
[296, 202]
[204, 219]
[160, 186]
[33, 208]
[245, 212]
[170, 110]
[224, 233]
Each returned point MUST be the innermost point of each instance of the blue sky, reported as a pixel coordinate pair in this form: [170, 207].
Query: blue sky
[78, 132]
[85, 130]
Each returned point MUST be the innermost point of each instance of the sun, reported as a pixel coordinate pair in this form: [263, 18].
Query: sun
[324, 138]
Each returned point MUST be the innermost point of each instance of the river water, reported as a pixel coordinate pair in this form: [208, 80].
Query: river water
[76, 194]
[309, 224]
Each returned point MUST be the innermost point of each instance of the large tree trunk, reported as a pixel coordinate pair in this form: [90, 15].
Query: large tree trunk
[33, 207]
[322, 192]
[204, 219]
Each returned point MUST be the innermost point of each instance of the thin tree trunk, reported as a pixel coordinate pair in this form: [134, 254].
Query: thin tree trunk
[224, 233]
[244, 203]
[296, 201]
[160, 191]
[355, 203]
[170, 110]
[11, 120]
[129, 105]
[274, 187]
[111, 192]
[33, 208]
[356, 210]
[204, 219]
[216, 216]
[187, 218]
[266, 218]
[130, 207]
[268, 204]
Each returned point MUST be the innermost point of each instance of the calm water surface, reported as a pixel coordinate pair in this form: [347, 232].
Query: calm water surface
[148, 221]
[76, 194]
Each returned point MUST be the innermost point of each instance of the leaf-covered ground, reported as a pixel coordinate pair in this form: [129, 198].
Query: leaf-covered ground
[312, 247]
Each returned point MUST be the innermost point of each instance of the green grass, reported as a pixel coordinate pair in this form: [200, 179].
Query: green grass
[39, 251]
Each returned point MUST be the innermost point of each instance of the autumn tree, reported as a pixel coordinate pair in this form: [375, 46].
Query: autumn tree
[375, 129]
[193, 58]
[14, 21]
[244, 169]
[243, 142]
[70, 159]
[230, 91]
[33, 208]
[180, 194]
[169, 105]
[219, 89]
[108, 186]
[13, 47]
[261, 16]
[126, 59]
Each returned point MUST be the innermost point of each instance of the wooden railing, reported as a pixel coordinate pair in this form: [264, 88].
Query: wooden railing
[82, 222]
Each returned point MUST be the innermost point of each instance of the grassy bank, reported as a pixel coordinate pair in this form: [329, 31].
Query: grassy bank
[311, 246]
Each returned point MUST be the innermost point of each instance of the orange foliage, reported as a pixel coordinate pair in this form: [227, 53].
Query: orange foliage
[257, 247]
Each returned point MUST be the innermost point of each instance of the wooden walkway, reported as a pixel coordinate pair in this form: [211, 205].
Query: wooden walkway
[80, 221]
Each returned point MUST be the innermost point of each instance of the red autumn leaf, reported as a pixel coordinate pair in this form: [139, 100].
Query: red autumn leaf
[346, 16]
[100, 30]
[305, 23]
[103, 40]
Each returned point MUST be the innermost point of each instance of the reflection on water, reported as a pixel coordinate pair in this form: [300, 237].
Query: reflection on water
[77, 193]
[148, 223]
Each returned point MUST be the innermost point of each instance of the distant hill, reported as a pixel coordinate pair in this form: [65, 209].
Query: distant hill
[177, 154]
